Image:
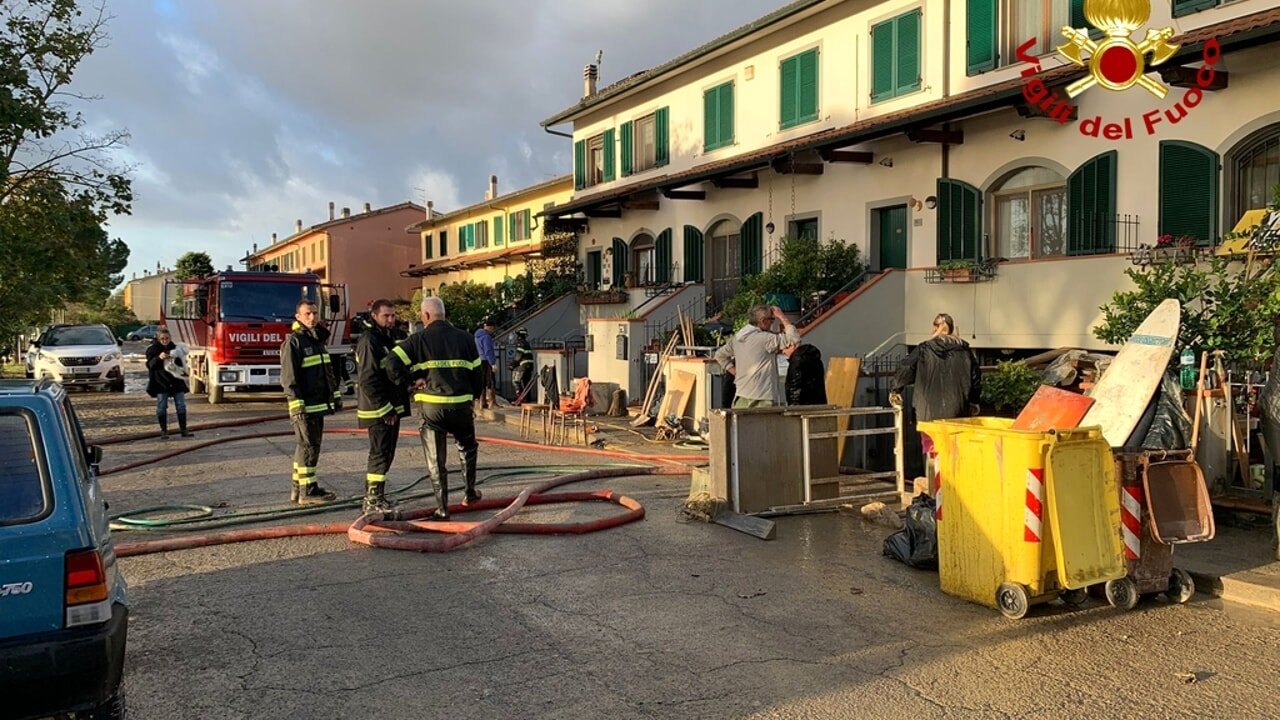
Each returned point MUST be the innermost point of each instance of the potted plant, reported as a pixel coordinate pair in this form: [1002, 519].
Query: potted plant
[958, 270]
[1170, 248]
[1007, 390]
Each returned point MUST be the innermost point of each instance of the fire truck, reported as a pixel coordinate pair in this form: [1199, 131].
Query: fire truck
[233, 324]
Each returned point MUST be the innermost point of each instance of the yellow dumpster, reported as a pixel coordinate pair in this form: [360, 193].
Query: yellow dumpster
[1024, 516]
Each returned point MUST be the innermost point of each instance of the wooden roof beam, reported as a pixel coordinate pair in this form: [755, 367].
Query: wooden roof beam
[684, 194]
[1183, 76]
[945, 137]
[750, 183]
[850, 156]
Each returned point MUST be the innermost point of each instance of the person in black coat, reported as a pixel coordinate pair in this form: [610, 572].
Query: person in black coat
[161, 384]
[806, 376]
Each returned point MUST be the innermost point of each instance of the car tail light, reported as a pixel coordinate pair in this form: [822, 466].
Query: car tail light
[86, 588]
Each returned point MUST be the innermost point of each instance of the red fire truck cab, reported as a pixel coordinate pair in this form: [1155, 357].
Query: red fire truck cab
[233, 324]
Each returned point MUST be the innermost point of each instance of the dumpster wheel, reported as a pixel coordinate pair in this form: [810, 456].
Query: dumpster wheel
[1122, 593]
[1013, 601]
[1181, 586]
[1074, 598]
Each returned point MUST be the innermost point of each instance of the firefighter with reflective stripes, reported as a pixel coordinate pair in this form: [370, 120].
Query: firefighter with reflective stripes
[523, 371]
[443, 366]
[311, 387]
[380, 402]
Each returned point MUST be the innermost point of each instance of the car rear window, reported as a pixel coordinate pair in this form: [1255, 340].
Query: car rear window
[24, 492]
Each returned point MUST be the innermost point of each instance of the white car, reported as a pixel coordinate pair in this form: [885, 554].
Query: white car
[79, 355]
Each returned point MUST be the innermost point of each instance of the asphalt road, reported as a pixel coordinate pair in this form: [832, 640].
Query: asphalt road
[659, 619]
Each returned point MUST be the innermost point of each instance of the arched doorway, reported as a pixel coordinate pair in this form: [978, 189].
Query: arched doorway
[1252, 170]
[642, 260]
[1029, 214]
[723, 264]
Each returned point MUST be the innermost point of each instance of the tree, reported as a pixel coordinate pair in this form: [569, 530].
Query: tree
[112, 313]
[1225, 306]
[57, 187]
[193, 265]
[468, 303]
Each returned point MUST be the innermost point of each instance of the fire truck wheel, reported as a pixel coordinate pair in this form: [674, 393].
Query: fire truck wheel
[215, 395]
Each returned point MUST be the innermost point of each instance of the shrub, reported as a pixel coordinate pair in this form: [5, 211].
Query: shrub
[1011, 386]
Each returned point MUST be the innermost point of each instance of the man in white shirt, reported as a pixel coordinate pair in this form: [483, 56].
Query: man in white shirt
[751, 356]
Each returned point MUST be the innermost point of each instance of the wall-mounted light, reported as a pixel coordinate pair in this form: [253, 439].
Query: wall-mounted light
[1019, 135]
[931, 202]
[608, 252]
[887, 162]
[769, 228]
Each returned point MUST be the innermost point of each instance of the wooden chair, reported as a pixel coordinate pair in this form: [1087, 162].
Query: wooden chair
[572, 411]
[543, 411]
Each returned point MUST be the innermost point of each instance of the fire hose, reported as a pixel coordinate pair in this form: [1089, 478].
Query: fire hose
[396, 530]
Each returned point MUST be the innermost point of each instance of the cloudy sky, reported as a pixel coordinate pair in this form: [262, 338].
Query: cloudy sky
[246, 115]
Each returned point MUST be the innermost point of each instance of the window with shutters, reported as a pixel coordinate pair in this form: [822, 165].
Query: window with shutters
[499, 228]
[1091, 206]
[798, 89]
[520, 225]
[1186, 7]
[717, 117]
[444, 243]
[895, 56]
[644, 143]
[1188, 191]
[642, 259]
[480, 235]
[428, 246]
[959, 221]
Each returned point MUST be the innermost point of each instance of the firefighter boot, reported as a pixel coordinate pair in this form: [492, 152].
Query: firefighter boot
[469, 473]
[293, 493]
[313, 494]
[164, 426]
[182, 425]
[375, 499]
[437, 466]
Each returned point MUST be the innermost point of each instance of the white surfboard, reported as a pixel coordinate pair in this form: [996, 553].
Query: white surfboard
[1126, 388]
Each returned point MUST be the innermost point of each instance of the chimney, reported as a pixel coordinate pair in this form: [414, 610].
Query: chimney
[367, 208]
[297, 228]
[590, 74]
[346, 212]
[273, 238]
[430, 208]
[493, 188]
[255, 247]
[330, 211]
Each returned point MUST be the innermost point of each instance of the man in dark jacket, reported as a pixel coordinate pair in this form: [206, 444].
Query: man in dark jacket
[946, 376]
[522, 370]
[380, 402]
[442, 364]
[311, 387]
[806, 376]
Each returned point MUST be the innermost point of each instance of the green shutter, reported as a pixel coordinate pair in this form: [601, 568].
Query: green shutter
[662, 257]
[882, 61]
[1091, 206]
[807, 87]
[619, 261]
[444, 243]
[959, 221]
[789, 79]
[981, 54]
[528, 224]
[1188, 191]
[907, 49]
[751, 245]
[662, 131]
[1184, 7]
[726, 114]
[692, 254]
[497, 230]
[626, 149]
[579, 165]
[711, 119]
[1078, 20]
[610, 156]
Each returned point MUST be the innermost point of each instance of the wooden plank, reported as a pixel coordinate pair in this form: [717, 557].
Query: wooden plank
[753, 526]
[679, 390]
[1053, 409]
[842, 389]
[644, 417]
[1124, 391]
[685, 194]
[750, 183]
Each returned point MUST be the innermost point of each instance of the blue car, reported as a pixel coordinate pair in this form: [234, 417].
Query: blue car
[63, 611]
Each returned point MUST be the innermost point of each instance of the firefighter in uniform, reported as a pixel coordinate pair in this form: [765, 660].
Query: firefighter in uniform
[524, 366]
[381, 403]
[444, 367]
[311, 387]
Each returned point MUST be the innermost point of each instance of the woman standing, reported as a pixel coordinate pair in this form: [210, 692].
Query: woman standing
[161, 384]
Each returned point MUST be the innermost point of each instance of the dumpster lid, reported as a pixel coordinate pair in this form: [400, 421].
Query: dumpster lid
[1084, 513]
[1178, 503]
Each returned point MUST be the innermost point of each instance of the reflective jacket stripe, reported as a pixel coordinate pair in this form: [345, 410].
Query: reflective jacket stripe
[370, 414]
[440, 364]
[442, 399]
[315, 360]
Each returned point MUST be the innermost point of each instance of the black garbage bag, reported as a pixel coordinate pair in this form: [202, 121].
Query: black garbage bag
[917, 543]
[1165, 425]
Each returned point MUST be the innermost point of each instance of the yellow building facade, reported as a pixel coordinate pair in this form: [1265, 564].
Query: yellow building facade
[487, 242]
